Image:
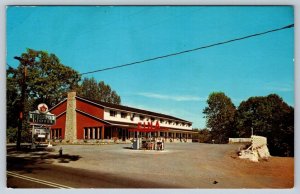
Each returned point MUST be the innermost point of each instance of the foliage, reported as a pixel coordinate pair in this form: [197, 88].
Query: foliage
[11, 135]
[220, 115]
[43, 79]
[93, 90]
[205, 136]
[271, 117]
[12, 99]
[47, 80]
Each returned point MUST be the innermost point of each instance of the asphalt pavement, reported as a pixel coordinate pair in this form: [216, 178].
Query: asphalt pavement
[180, 165]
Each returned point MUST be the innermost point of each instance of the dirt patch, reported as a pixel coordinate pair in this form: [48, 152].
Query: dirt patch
[277, 172]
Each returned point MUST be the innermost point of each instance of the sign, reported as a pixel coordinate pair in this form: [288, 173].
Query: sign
[42, 119]
[41, 130]
[147, 127]
[41, 116]
[41, 136]
[43, 108]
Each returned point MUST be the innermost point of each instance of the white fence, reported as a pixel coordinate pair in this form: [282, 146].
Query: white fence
[239, 140]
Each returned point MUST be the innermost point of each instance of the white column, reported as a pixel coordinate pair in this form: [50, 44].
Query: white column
[93, 133]
[54, 133]
[98, 133]
[89, 133]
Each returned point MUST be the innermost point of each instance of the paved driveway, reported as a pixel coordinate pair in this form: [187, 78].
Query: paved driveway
[184, 165]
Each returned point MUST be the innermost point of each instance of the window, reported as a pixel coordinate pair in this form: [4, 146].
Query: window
[161, 120]
[56, 133]
[152, 119]
[92, 133]
[123, 114]
[170, 122]
[112, 113]
[132, 116]
[142, 117]
[176, 123]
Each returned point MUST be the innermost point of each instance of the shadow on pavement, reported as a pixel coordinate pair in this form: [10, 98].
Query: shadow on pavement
[27, 159]
[127, 147]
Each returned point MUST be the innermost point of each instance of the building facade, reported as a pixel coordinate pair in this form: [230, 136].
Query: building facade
[83, 120]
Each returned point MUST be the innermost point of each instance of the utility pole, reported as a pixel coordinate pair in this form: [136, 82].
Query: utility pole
[23, 84]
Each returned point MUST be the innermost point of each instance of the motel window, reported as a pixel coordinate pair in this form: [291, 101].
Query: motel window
[123, 114]
[152, 118]
[161, 120]
[92, 133]
[170, 122]
[142, 117]
[56, 133]
[176, 123]
[132, 116]
[112, 113]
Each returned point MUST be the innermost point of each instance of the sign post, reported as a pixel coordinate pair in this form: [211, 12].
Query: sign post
[41, 121]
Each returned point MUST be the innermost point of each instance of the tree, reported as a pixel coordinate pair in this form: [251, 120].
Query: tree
[205, 136]
[47, 79]
[40, 77]
[270, 117]
[93, 90]
[220, 114]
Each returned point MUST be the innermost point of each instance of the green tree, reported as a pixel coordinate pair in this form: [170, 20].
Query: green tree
[47, 79]
[93, 90]
[40, 77]
[220, 114]
[205, 136]
[270, 117]
[12, 98]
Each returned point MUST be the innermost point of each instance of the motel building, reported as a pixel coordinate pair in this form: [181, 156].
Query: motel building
[81, 120]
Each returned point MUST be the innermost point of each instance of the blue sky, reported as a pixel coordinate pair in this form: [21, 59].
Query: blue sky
[94, 37]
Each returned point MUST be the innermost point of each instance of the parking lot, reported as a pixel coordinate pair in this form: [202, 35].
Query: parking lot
[184, 165]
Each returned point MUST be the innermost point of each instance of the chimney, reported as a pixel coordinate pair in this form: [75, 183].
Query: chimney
[71, 123]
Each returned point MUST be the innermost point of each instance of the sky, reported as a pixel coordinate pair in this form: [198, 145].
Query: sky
[89, 38]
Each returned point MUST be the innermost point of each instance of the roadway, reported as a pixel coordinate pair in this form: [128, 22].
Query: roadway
[23, 173]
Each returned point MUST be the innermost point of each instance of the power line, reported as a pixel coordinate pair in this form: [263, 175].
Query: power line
[190, 50]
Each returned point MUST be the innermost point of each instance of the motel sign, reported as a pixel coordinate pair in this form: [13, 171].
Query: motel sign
[42, 116]
[41, 119]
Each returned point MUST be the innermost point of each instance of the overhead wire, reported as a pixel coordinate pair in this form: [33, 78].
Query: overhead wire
[190, 50]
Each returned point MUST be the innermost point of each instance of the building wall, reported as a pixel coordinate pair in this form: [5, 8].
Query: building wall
[84, 121]
[60, 124]
[59, 109]
[147, 118]
[61, 120]
[89, 108]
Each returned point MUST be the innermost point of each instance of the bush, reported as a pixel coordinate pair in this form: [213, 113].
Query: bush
[11, 135]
